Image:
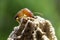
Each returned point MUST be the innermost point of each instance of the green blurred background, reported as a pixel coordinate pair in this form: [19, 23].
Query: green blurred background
[50, 9]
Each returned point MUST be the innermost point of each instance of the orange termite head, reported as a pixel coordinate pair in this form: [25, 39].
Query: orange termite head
[24, 13]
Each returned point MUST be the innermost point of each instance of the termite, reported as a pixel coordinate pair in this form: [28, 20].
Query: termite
[23, 13]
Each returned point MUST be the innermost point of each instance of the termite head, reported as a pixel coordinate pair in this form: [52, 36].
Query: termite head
[23, 13]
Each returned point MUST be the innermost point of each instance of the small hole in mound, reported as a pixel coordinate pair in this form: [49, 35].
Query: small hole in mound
[32, 31]
[35, 28]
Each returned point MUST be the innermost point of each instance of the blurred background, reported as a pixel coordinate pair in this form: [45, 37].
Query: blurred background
[50, 9]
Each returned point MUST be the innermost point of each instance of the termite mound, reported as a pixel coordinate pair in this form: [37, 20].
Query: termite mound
[33, 28]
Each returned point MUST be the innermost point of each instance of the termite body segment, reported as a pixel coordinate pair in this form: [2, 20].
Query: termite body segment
[23, 14]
